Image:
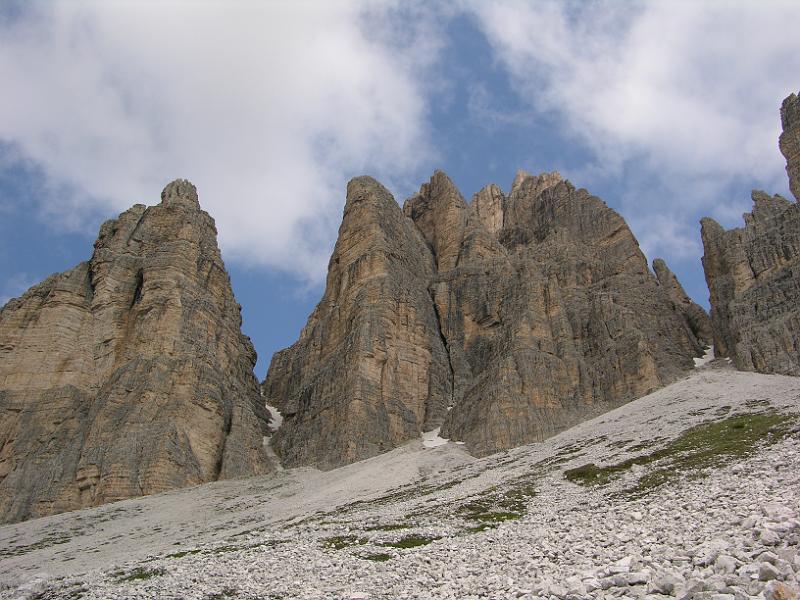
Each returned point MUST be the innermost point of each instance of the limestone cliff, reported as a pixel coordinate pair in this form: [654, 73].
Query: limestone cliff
[370, 370]
[753, 272]
[753, 276]
[696, 317]
[129, 374]
[790, 141]
[521, 314]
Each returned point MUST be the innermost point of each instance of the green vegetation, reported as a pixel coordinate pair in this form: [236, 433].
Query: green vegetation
[411, 541]
[183, 553]
[494, 507]
[379, 557]
[705, 446]
[389, 527]
[139, 574]
[338, 542]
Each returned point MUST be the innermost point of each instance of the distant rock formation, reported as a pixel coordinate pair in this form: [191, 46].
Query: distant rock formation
[789, 141]
[503, 321]
[753, 273]
[753, 276]
[129, 374]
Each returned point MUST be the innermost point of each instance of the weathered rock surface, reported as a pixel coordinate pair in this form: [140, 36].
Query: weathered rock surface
[553, 319]
[523, 315]
[753, 272]
[370, 370]
[753, 276]
[790, 141]
[696, 317]
[129, 374]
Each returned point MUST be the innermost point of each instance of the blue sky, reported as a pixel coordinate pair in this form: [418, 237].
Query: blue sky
[666, 110]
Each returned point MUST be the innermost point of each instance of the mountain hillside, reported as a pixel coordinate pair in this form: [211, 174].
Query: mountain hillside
[688, 492]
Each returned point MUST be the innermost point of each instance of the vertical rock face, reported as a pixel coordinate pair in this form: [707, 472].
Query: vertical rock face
[370, 370]
[753, 276]
[696, 317]
[553, 318]
[129, 374]
[753, 273]
[522, 314]
[790, 141]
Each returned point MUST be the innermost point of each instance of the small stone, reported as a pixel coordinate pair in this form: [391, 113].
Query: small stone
[768, 572]
[635, 578]
[725, 564]
[665, 584]
[768, 537]
[777, 590]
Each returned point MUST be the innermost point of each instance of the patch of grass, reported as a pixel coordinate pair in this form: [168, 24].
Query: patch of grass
[378, 557]
[496, 507]
[339, 542]
[411, 541]
[389, 527]
[140, 574]
[183, 553]
[705, 446]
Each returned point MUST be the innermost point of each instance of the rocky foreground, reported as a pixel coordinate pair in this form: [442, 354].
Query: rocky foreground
[690, 492]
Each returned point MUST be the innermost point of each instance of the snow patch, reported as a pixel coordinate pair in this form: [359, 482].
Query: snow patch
[705, 359]
[431, 439]
[276, 418]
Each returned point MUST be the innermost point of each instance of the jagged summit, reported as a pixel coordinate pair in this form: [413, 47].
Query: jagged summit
[129, 374]
[503, 321]
[789, 141]
[753, 272]
[180, 191]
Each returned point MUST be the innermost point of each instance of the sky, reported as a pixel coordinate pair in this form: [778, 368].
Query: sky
[668, 110]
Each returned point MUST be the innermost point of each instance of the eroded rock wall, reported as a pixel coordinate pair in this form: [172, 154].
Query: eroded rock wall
[789, 141]
[753, 272]
[370, 370]
[504, 321]
[753, 276]
[129, 374]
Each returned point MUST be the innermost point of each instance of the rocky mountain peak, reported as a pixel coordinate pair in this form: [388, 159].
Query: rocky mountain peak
[128, 374]
[503, 322]
[789, 141]
[180, 192]
[751, 272]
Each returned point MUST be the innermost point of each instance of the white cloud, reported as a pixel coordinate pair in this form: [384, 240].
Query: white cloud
[267, 107]
[688, 91]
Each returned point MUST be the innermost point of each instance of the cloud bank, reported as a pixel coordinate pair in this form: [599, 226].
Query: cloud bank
[267, 107]
[685, 92]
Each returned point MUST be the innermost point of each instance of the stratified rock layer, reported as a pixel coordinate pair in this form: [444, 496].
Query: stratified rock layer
[790, 141]
[753, 273]
[370, 370]
[129, 374]
[753, 276]
[522, 315]
[696, 317]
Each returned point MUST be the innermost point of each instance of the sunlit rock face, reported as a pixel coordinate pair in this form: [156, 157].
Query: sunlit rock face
[503, 320]
[129, 374]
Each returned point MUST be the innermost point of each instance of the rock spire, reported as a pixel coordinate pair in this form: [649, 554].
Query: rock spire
[128, 374]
